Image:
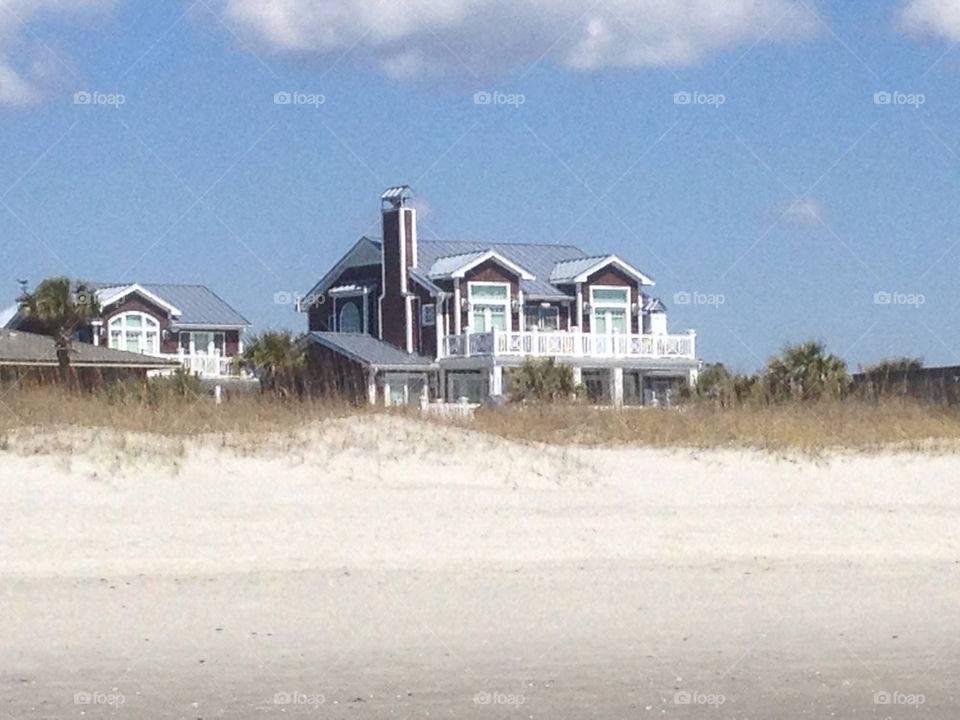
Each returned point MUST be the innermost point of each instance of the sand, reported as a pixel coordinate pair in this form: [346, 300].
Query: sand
[382, 568]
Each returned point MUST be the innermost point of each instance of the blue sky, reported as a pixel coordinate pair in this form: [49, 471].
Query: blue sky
[780, 213]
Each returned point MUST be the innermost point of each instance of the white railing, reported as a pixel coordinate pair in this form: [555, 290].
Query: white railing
[570, 344]
[205, 365]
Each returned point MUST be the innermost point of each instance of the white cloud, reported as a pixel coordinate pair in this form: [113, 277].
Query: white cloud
[27, 63]
[936, 18]
[805, 211]
[416, 38]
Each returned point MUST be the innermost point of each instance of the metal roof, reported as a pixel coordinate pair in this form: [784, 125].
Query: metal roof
[8, 315]
[369, 350]
[566, 270]
[538, 258]
[434, 256]
[652, 304]
[421, 277]
[198, 304]
[23, 348]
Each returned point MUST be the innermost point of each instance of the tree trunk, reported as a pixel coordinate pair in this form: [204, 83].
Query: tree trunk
[63, 360]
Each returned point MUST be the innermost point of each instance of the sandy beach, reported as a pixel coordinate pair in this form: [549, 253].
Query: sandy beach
[376, 567]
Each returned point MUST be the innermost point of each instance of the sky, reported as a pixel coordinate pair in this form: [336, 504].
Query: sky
[784, 169]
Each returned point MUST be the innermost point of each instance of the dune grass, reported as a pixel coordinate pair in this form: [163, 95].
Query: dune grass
[809, 427]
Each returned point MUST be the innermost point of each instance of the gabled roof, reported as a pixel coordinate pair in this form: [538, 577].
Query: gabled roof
[369, 351]
[652, 305]
[539, 260]
[111, 295]
[366, 251]
[579, 270]
[23, 348]
[456, 266]
[9, 315]
[196, 305]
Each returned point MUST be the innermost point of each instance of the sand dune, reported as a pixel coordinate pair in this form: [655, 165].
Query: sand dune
[378, 567]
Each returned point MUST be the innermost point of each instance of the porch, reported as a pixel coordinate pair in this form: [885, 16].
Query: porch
[570, 344]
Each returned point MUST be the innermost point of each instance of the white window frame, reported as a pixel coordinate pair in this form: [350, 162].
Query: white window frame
[539, 310]
[606, 306]
[211, 348]
[120, 319]
[487, 304]
[428, 315]
[344, 308]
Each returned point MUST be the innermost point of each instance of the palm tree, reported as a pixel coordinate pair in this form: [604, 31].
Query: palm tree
[806, 372]
[275, 357]
[59, 308]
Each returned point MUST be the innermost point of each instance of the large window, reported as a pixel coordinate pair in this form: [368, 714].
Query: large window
[135, 332]
[542, 317]
[489, 306]
[203, 343]
[349, 319]
[610, 309]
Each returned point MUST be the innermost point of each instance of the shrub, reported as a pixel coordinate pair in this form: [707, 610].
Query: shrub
[542, 381]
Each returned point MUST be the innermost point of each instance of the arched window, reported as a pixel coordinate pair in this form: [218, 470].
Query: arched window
[135, 332]
[349, 319]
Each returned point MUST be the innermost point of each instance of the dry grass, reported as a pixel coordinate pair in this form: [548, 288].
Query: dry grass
[245, 422]
[813, 428]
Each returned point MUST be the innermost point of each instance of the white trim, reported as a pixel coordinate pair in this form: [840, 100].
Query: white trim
[488, 255]
[613, 260]
[366, 311]
[106, 298]
[579, 306]
[611, 305]
[413, 236]
[505, 302]
[408, 313]
[457, 307]
[121, 320]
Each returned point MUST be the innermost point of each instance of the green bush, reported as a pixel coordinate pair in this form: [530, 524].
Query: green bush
[543, 381]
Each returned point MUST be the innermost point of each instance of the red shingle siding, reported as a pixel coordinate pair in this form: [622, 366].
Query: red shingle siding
[611, 275]
[490, 271]
[329, 373]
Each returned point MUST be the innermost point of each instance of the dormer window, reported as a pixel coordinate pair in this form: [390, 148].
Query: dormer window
[610, 308]
[349, 319]
[489, 306]
[134, 332]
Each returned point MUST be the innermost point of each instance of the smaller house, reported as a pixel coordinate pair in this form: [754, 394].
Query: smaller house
[25, 355]
[187, 323]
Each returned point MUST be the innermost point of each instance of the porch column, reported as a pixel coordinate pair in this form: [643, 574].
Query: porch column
[616, 386]
[372, 387]
[457, 320]
[579, 305]
[521, 316]
[496, 380]
[97, 327]
[366, 310]
[577, 375]
[439, 325]
[386, 392]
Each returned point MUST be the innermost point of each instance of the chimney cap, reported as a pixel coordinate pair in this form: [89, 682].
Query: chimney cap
[396, 196]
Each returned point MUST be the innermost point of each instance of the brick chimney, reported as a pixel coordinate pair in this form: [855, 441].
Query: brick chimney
[399, 253]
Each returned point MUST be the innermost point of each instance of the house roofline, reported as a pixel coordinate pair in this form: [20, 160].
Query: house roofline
[136, 287]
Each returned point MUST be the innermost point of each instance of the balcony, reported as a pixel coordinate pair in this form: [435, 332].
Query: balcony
[570, 344]
[205, 365]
